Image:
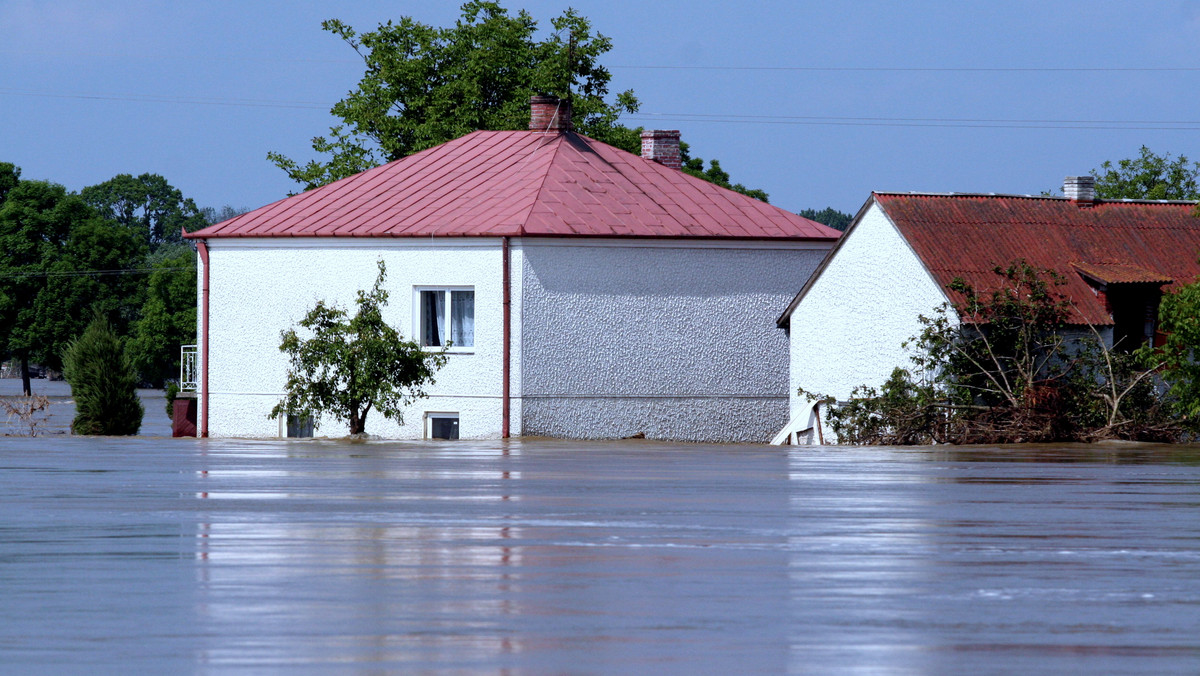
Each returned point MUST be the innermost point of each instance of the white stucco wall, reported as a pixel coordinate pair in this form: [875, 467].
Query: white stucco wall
[849, 327]
[670, 339]
[609, 338]
[260, 287]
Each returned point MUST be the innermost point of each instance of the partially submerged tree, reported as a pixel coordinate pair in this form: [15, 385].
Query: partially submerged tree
[348, 366]
[59, 260]
[103, 383]
[1179, 356]
[167, 320]
[1012, 365]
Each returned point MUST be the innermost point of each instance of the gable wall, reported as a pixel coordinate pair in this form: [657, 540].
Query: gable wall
[668, 339]
[849, 327]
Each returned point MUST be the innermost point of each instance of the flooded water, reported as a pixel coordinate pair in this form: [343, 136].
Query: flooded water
[158, 555]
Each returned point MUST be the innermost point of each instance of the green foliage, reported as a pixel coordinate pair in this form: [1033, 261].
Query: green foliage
[168, 316]
[10, 176]
[103, 383]
[213, 216]
[1149, 177]
[349, 366]
[172, 394]
[694, 166]
[1005, 367]
[148, 205]
[52, 245]
[424, 86]
[829, 216]
[1179, 356]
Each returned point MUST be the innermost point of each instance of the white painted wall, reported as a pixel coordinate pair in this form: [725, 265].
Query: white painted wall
[849, 327]
[261, 287]
[609, 337]
[671, 339]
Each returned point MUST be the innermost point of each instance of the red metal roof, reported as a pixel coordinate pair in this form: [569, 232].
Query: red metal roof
[967, 236]
[521, 183]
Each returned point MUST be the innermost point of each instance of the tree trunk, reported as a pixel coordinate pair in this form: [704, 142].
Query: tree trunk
[25, 388]
[357, 423]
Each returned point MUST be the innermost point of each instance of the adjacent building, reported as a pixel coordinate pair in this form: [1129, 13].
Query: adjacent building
[848, 322]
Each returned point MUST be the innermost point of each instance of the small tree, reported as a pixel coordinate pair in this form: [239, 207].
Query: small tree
[103, 383]
[1005, 367]
[352, 365]
[1179, 356]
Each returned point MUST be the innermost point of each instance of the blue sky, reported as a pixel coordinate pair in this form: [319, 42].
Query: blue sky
[818, 103]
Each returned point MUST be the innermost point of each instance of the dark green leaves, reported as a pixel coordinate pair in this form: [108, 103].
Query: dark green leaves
[346, 366]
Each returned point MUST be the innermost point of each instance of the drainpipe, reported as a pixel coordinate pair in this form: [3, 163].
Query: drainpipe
[202, 249]
[506, 340]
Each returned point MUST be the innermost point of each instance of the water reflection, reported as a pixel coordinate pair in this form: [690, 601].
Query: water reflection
[554, 557]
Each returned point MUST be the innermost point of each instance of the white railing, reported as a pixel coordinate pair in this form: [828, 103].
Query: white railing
[188, 371]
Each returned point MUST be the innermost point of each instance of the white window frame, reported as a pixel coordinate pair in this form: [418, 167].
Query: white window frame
[430, 416]
[418, 327]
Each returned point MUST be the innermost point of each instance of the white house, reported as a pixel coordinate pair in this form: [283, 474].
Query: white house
[848, 322]
[588, 292]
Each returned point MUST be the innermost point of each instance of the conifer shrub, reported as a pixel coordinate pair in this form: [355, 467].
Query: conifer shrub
[103, 383]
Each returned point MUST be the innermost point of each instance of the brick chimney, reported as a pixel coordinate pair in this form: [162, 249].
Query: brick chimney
[1080, 189]
[548, 113]
[662, 146]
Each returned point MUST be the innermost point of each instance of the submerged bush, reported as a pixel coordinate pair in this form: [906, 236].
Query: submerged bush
[1011, 366]
[103, 383]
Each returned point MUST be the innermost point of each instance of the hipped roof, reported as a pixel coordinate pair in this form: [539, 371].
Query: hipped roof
[521, 183]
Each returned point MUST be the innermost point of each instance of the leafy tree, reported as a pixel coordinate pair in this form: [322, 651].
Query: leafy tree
[829, 216]
[167, 319]
[349, 366]
[1003, 367]
[424, 86]
[103, 383]
[715, 174]
[55, 267]
[1179, 320]
[10, 176]
[1150, 177]
[213, 216]
[148, 205]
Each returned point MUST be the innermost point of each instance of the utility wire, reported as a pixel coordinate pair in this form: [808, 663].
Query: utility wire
[1160, 125]
[89, 273]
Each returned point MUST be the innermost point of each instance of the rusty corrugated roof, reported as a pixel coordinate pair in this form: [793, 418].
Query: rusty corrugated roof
[967, 236]
[521, 183]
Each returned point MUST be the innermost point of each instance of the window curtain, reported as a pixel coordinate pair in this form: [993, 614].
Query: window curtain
[433, 312]
[462, 318]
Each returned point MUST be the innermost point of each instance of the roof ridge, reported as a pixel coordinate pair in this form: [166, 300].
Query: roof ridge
[537, 195]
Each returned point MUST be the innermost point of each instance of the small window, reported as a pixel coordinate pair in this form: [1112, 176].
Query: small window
[446, 316]
[441, 425]
[299, 426]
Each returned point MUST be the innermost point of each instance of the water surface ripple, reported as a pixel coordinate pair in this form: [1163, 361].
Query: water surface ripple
[540, 557]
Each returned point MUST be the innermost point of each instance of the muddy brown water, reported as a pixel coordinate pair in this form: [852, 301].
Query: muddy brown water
[162, 555]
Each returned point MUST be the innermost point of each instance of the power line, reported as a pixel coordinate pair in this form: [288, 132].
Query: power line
[154, 98]
[992, 123]
[918, 69]
[966, 123]
[89, 273]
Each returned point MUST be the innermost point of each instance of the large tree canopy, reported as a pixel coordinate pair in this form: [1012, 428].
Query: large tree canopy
[424, 86]
[58, 265]
[1149, 177]
[148, 205]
